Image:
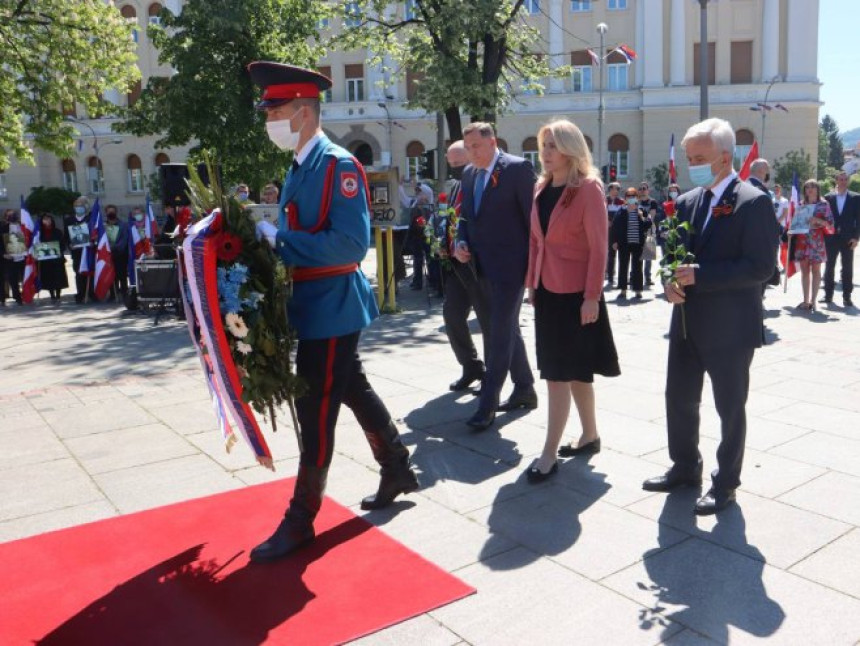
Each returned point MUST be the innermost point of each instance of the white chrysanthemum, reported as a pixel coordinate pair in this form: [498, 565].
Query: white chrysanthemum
[243, 347]
[236, 325]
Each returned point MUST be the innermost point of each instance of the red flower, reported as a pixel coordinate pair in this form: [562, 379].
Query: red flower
[420, 221]
[669, 208]
[443, 197]
[228, 247]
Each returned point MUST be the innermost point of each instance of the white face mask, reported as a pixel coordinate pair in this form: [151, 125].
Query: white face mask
[282, 135]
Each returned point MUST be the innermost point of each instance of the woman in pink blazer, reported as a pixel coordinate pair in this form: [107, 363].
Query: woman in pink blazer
[567, 261]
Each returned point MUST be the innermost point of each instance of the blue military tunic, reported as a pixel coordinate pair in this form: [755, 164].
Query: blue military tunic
[327, 307]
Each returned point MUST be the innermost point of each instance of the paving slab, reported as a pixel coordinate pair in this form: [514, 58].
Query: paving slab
[835, 565]
[834, 494]
[45, 486]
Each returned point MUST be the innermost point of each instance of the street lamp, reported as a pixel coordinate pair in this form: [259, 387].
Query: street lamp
[602, 28]
[764, 107]
[99, 170]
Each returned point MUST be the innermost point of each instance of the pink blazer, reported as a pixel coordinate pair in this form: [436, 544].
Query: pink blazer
[572, 256]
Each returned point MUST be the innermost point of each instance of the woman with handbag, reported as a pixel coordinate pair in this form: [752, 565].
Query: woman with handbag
[567, 260]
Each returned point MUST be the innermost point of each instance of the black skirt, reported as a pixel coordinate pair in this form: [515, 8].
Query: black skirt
[567, 350]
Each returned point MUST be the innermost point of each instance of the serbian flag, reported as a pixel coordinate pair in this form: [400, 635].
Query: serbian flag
[785, 247]
[673, 174]
[104, 269]
[88, 257]
[595, 59]
[29, 285]
[626, 52]
[752, 155]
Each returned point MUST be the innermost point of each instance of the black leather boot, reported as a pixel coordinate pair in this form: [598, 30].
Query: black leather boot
[297, 527]
[397, 476]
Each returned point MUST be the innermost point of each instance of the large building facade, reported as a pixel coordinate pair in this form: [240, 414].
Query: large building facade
[762, 77]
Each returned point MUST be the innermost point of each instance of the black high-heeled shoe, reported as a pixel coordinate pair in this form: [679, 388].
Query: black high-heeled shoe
[568, 450]
[535, 475]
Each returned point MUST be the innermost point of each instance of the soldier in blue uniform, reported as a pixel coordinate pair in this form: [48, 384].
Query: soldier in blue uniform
[324, 234]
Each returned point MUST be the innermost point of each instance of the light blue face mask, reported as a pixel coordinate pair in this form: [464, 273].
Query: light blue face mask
[80, 210]
[702, 175]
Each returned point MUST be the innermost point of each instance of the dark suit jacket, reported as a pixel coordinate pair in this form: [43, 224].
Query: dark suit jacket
[618, 233]
[498, 235]
[736, 254]
[848, 222]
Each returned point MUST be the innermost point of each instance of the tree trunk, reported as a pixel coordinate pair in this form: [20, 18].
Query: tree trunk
[455, 124]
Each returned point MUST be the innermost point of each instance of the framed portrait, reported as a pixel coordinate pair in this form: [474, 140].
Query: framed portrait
[13, 244]
[79, 235]
[802, 217]
[47, 250]
[267, 212]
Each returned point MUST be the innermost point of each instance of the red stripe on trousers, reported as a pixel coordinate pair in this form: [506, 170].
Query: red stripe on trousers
[324, 405]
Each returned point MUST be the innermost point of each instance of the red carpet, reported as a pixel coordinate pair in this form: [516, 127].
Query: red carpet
[180, 575]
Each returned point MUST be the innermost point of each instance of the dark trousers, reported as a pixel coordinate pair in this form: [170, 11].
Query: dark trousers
[14, 274]
[610, 263]
[334, 375]
[505, 349]
[729, 371]
[120, 281]
[463, 294]
[837, 247]
[630, 264]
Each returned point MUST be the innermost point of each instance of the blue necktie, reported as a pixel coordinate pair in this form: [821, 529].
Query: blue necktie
[479, 188]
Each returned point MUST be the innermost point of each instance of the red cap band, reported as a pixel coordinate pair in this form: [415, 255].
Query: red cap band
[291, 91]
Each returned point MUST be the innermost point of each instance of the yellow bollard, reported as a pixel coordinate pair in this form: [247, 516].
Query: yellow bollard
[380, 267]
[390, 282]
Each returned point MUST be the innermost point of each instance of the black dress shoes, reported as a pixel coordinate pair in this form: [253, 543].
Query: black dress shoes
[466, 380]
[589, 448]
[847, 302]
[481, 421]
[715, 500]
[525, 398]
[288, 537]
[672, 480]
[535, 475]
[401, 480]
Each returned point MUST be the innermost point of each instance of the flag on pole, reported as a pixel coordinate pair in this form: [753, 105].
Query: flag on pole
[595, 59]
[104, 269]
[765, 107]
[88, 256]
[626, 52]
[151, 224]
[780, 106]
[752, 155]
[673, 174]
[785, 247]
[29, 285]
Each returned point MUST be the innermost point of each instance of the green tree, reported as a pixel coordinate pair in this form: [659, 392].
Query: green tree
[658, 178]
[57, 201]
[55, 54]
[823, 153]
[834, 142]
[794, 161]
[210, 99]
[469, 55]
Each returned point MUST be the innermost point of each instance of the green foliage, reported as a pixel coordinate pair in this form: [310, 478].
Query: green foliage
[794, 161]
[210, 100]
[823, 169]
[834, 142]
[658, 177]
[57, 53]
[472, 54]
[675, 253]
[57, 201]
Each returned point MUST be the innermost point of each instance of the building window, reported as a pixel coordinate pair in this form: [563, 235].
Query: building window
[135, 174]
[161, 158]
[619, 155]
[532, 6]
[502, 144]
[4, 192]
[530, 152]
[743, 142]
[414, 155]
[617, 77]
[580, 5]
[712, 63]
[133, 94]
[741, 61]
[616, 5]
[70, 175]
[410, 11]
[353, 15]
[325, 70]
[354, 82]
[95, 177]
[130, 16]
[580, 78]
[154, 10]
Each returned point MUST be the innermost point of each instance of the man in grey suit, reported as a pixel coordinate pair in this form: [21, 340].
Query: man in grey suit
[717, 322]
[494, 231]
[845, 206]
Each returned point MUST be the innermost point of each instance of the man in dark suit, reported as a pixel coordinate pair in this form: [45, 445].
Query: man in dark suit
[845, 206]
[494, 230]
[717, 322]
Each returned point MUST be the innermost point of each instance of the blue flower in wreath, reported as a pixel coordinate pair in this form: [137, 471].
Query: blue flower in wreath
[238, 273]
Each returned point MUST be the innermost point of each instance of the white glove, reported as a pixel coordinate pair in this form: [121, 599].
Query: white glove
[266, 231]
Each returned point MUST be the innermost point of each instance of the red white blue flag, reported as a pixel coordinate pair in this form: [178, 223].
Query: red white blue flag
[626, 52]
[104, 269]
[595, 59]
[673, 174]
[88, 257]
[29, 285]
[785, 248]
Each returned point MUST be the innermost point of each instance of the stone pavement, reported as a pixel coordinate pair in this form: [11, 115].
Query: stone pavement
[102, 413]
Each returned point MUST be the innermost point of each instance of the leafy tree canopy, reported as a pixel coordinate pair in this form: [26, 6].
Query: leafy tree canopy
[658, 178]
[471, 55]
[55, 54]
[210, 98]
[54, 200]
[835, 149]
[794, 161]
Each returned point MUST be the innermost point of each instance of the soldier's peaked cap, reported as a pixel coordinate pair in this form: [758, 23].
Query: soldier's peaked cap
[282, 83]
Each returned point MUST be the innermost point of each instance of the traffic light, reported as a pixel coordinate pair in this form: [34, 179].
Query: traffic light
[427, 169]
[613, 173]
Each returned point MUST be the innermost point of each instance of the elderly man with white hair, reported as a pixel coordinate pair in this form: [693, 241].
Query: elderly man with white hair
[717, 322]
